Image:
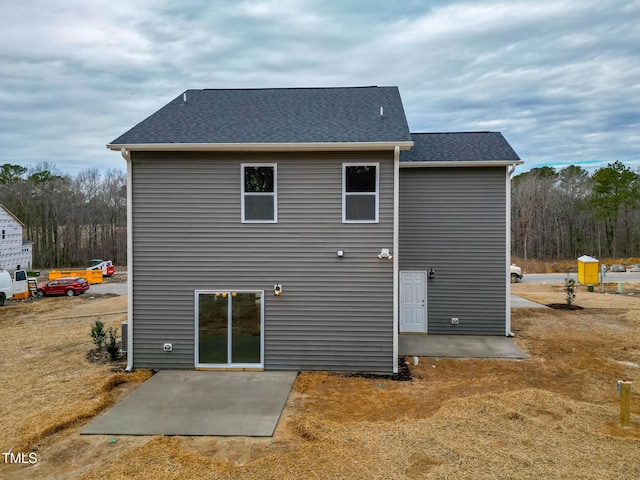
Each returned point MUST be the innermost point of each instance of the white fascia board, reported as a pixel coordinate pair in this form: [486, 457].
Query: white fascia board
[466, 164]
[262, 147]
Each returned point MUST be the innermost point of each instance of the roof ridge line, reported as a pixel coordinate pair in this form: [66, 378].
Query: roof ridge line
[452, 133]
[289, 88]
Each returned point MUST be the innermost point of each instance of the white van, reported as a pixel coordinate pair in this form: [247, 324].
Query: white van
[16, 287]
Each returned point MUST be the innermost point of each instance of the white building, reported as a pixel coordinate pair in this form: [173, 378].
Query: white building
[15, 253]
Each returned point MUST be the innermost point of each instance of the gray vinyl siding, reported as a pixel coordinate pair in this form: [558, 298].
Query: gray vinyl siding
[334, 313]
[454, 221]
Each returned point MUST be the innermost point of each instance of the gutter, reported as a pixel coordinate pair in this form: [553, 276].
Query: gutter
[262, 147]
[508, 331]
[396, 230]
[465, 163]
[126, 154]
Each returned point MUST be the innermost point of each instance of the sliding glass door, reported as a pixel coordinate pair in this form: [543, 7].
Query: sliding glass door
[229, 328]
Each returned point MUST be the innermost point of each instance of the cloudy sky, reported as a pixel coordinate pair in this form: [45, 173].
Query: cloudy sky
[559, 78]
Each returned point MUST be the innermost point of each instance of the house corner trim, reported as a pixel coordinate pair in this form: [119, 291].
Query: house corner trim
[396, 226]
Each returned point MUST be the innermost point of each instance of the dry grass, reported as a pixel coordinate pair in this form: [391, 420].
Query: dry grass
[564, 266]
[554, 415]
[475, 437]
[550, 293]
[48, 384]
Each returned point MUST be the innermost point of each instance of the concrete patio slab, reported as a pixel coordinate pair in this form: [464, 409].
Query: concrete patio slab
[519, 302]
[461, 346]
[187, 402]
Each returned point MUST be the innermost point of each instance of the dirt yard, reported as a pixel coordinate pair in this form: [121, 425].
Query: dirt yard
[567, 265]
[554, 415]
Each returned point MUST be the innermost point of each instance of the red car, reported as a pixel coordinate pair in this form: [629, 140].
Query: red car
[69, 286]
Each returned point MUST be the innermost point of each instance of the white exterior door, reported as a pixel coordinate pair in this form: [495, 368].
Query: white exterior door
[413, 302]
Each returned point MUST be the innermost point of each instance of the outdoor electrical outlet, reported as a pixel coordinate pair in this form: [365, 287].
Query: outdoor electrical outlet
[168, 347]
[454, 321]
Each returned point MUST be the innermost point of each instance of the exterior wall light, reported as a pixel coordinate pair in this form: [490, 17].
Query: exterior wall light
[384, 253]
[277, 289]
[431, 273]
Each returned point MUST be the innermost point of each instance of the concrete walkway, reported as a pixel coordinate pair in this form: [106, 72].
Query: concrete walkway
[460, 346]
[187, 402]
[519, 302]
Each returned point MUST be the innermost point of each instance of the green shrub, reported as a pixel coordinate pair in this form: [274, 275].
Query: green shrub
[98, 334]
[105, 339]
[111, 344]
[570, 290]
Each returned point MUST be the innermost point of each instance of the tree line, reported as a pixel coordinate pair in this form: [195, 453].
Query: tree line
[557, 215]
[70, 220]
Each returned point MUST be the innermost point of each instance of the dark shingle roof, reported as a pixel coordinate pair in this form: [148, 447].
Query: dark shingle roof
[459, 147]
[276, 115]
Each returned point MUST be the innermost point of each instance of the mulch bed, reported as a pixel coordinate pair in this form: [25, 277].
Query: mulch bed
[403, 375]
[564, 306]
[102, 357]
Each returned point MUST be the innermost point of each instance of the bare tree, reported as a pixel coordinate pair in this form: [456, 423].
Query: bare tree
[566, 214]
[70, 220]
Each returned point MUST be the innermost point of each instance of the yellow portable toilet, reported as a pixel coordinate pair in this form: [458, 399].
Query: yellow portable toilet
[588, 269]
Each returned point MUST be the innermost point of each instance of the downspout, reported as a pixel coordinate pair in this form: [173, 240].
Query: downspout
[508, 331]
[396, 225]
[126, 154]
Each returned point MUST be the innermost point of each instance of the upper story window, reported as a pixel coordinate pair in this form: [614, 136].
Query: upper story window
[360, 188]
[259, 193]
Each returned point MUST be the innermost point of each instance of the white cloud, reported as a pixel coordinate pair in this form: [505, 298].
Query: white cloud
[560, 79]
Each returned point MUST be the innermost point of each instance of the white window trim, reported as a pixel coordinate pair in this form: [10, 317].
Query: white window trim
[344, 191]
[196, 349]
[275, 192]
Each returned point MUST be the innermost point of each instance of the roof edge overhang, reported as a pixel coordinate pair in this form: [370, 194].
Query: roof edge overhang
[261, 147]
[466, 164]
